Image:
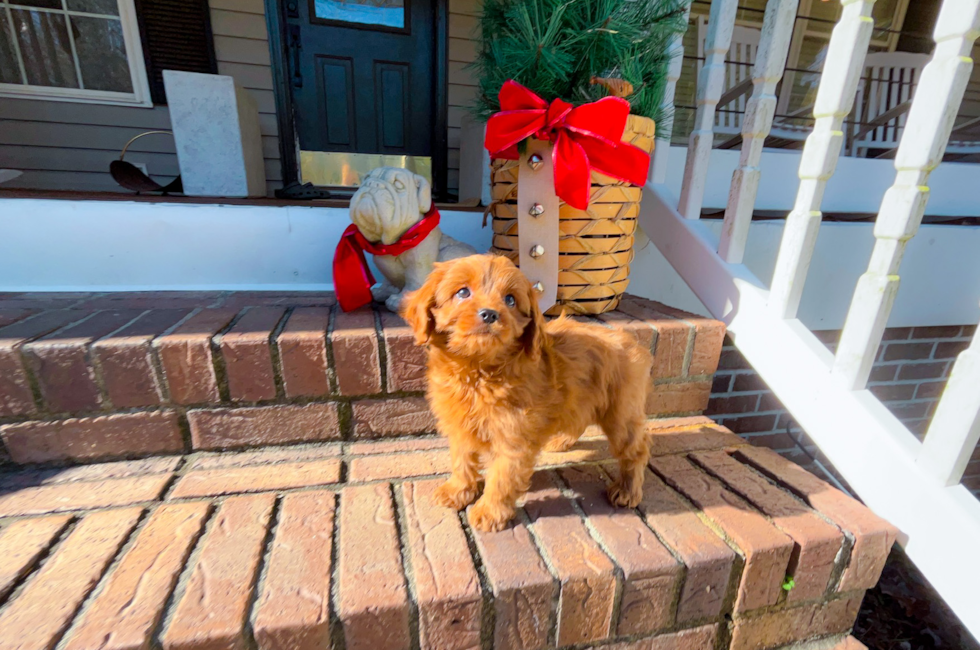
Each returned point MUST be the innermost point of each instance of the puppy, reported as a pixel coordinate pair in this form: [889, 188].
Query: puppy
[389, 202]
[503, 384]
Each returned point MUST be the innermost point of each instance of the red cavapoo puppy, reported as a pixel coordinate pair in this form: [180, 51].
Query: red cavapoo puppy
[504, 384]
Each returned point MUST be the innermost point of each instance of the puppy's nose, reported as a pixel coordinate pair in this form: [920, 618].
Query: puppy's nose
[489, 316]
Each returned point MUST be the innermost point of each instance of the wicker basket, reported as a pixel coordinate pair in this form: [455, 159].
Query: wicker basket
[595, 245]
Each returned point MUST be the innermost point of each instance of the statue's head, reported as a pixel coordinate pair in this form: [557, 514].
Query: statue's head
[390, 201]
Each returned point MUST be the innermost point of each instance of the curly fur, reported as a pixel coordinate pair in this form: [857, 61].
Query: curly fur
[501, 392]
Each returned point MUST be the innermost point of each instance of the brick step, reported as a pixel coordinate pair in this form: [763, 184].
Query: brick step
[90, 377]
[340, 545]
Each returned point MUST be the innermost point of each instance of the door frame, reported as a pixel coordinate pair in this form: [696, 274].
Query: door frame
[275, 15]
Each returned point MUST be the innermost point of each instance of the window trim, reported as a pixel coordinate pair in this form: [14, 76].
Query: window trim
[140, 97]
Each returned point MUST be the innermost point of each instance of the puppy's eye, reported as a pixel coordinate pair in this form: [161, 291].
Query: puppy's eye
[509, 300]
[463, 293]
[398, 184]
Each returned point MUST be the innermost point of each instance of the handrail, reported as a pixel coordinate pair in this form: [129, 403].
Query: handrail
[884, 118]
[913, 484]
[741, 88]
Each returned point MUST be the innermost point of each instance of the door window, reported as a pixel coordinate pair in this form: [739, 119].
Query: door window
[381, 13]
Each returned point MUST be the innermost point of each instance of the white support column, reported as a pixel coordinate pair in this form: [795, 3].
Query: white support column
[934, 107]
[955, 428]
[721, 22]
[658, 168]
[777, 31]
[835, 98]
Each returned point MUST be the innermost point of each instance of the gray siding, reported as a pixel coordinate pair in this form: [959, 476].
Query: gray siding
[68, 146]
[463, 25]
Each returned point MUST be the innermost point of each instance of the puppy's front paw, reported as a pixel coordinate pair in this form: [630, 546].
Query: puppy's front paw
[625, 494]
[455, 496]
[489, 517]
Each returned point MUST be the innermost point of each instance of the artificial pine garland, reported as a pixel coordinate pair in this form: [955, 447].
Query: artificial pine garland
[557, 47]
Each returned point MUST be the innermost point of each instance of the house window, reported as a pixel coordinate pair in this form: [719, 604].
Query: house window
[72, 50]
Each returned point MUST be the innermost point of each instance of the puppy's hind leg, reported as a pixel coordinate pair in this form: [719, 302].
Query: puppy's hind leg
[629, 444]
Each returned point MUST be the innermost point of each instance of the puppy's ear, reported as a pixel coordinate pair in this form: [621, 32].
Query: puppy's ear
[417, 306]
[424, 193]
[533, 336]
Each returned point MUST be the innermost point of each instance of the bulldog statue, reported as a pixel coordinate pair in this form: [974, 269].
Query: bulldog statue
[389, 203]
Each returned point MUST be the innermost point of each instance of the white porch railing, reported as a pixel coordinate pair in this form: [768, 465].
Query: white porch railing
[913, 484]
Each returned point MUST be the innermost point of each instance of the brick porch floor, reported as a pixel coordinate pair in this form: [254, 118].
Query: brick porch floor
[203, 535]
[339, 545]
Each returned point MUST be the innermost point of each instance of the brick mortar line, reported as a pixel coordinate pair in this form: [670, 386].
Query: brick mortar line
[186, 466]
[180, 587]
[793, 565]
[728, 599]
[904, 382]
[273, 342]
[65, 634]
[675, 602]
[18, 585]
[692, 333]
[382, 349]
[521, 516]
[683, 379]
[34, 384]
[218, 366]
[95, 365]
[619, 575]
[160, 377]
[488, 611]
[332, 382]
[211, 406]
[221, 298]
[184, 425]
[86, 299]
[845, 554]
[80, 512]
[614, 636]
[405, 557]
[338, 639]
[260, 572]
[759, 612]
[738, 563]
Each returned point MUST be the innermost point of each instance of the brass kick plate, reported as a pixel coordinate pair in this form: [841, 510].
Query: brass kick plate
[344, 169]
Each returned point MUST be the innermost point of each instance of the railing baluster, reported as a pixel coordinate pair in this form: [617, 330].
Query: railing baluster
[721, 21]
[658, 168]
[955, 428]
[777, 30]
[835, 99]
[930, 121]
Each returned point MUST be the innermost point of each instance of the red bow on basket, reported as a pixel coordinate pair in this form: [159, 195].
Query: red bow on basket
[586, 137]
[352, 277]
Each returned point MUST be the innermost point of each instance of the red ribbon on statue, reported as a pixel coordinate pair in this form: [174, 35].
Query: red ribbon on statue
[586, 137]
[352, 278]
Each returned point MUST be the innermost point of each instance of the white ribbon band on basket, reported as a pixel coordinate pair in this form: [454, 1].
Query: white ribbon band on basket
[537, 219]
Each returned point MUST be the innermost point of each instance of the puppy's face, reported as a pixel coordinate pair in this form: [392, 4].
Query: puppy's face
[479, 307]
